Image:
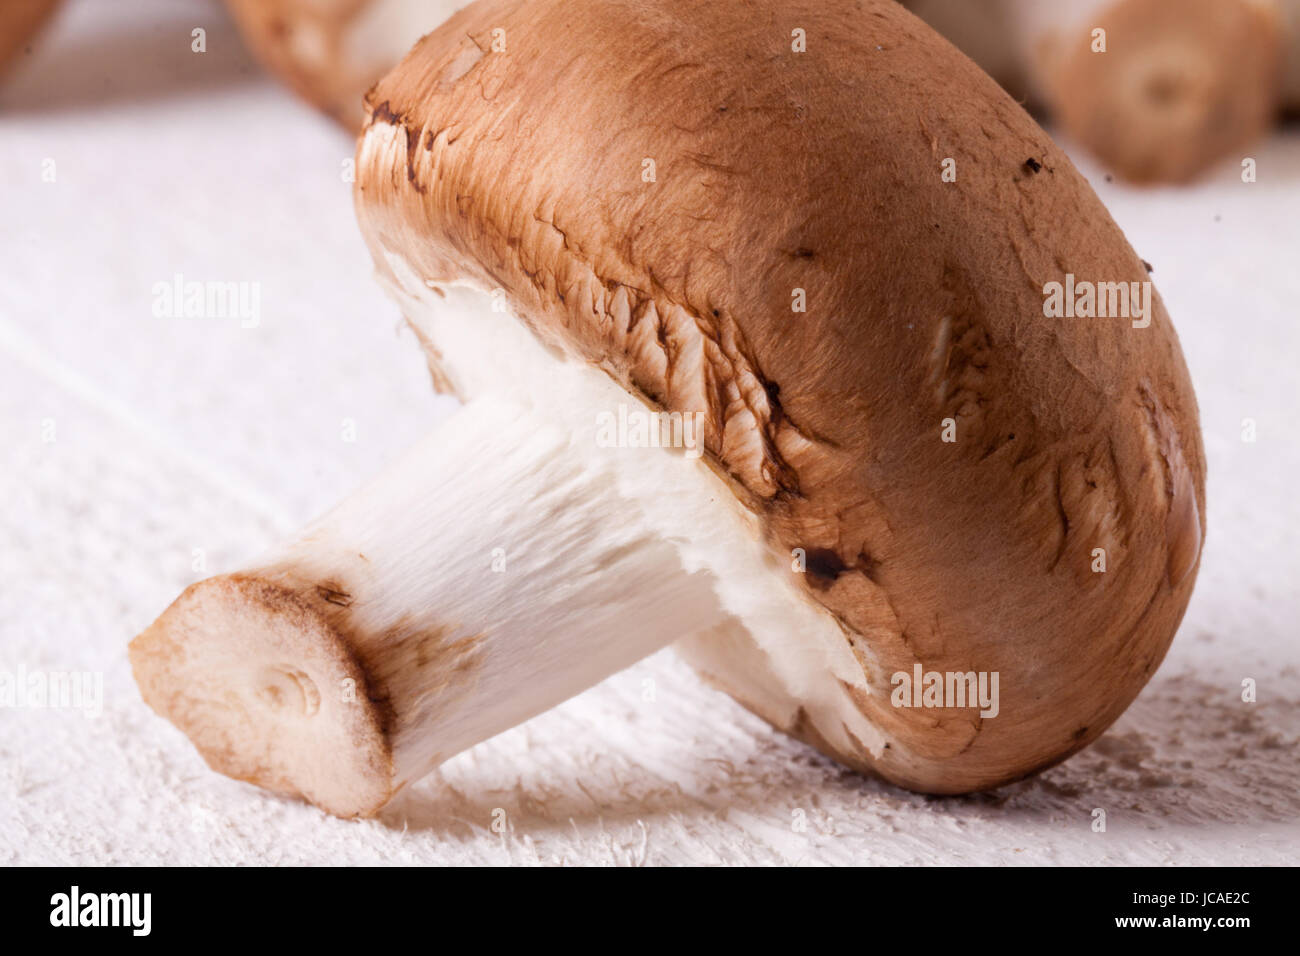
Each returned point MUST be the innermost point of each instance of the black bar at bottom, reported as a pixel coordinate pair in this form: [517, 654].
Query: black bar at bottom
[379, 907]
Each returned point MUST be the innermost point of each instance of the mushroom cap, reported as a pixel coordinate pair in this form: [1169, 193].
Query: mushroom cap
[19, 21]
[1181, 85]
[653, 183]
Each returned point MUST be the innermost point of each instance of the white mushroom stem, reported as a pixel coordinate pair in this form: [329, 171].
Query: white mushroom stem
[494, 572]
[518, 555]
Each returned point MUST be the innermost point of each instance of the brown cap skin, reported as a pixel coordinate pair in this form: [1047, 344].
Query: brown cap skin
[19, 21]
[1182, 84]
[821, 171]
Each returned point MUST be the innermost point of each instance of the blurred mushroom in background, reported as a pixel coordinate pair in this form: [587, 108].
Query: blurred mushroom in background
[1159, 90]
[331, 51]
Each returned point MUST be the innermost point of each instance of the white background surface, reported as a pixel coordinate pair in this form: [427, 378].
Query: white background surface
[174, 434]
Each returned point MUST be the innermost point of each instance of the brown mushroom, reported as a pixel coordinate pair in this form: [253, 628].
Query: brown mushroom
[331, 51]
[741, 219]
[1160, 90]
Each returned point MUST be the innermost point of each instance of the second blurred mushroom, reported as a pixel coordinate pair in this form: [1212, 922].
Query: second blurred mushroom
[1159, 90]
[331, 51]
